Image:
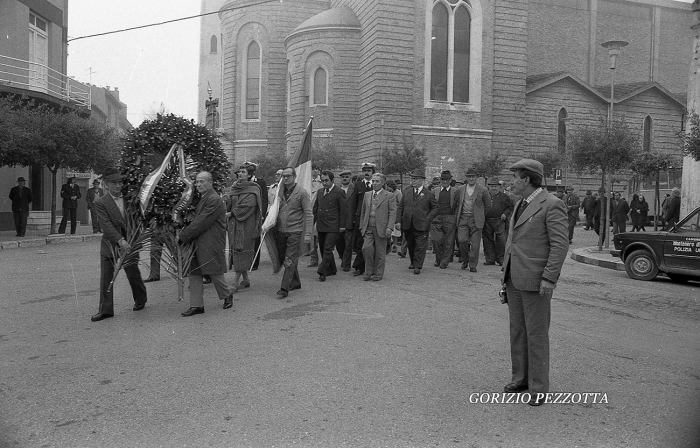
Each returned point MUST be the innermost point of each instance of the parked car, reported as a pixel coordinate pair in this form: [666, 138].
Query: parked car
[675, 252]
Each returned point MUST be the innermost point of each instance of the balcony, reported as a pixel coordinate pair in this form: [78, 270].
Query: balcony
[27, 75]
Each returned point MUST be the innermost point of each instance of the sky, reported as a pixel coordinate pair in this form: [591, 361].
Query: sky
[150, 66]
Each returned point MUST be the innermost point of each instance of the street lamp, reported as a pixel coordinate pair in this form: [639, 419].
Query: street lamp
[613, 47]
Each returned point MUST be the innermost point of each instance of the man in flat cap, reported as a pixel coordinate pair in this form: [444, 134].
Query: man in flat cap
[92, 195]
[573, 203]
[495, 224]
[362, 186]
[417, 209]
[21, 197]
[442, 229]
[471, 212]
[588, 206]
[111, 213]
[535, 252]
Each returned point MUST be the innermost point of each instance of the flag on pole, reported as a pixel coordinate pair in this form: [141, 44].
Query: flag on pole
[149, 184]
[301, 160]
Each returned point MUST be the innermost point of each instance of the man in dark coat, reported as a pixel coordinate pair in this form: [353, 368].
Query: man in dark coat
[588, 206]
[111, 211]
[417, 209]
[361, 187]
[443, 227]
[208, 231]
[620, 209]
[20, 196]
[330, 215]
[92, 195]
[70, 193]
[573, 203]
[673, 213]
[495, 220]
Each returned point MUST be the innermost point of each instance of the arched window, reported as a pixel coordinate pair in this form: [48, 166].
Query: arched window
[453, 54]
[450, 51]
[252, 88]
[213, 47]
[647, 133]
[561, 130]
[320, 88]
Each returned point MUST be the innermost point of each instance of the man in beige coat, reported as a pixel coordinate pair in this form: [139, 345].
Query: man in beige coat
[376, 224]
[535, 252]
[470, 215]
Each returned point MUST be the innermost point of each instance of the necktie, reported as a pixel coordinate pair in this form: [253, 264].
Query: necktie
[374, 196]
[415, 192]
[325, 192]
[521, 209]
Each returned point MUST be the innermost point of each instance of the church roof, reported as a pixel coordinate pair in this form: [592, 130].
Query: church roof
[341, 17]
[623, 91]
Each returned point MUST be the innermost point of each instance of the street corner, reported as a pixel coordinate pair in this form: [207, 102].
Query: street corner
[601, 258]
[61, 239]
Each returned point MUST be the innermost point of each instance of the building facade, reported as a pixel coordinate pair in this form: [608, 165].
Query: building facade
[460, 78]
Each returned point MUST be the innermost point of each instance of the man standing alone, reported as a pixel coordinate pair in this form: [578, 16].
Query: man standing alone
[535, 252]
[208, 231]
[92, 195]
[21, 197]
[70, 193]
[471, 215]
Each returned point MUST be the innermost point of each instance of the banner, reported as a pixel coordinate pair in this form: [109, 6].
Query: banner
[149, 184]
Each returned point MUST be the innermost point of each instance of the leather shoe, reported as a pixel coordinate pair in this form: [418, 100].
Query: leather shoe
[357, 273]
[99, 316]
[376, 278]
[536, 401]
[489, 263]
[401, 254]
[416, 271]
[367, 278]
[472, 269]
[443, 266]
[410, 267]
[346, 269]
[139, 307]
[513, 388]
[465, 265]
[192, 311]
[151, 279]
[436, 264]
[228, 302]
[292, 288]
[244, 284]
[321, 278]
[281, 294]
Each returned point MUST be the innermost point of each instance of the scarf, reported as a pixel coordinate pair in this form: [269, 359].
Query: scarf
[245, 195]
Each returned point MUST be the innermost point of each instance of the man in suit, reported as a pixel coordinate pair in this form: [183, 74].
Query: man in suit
[471, 215]
[495, 220]
[70, 193]
[21, 197]
[330, 216]
[376, 225]
[92, 195]
[442, 229]
[362, 186]
[417, 209]
[345, 240]
[111, 212]
[294, 224]
[573, 203]
[588, 207]
[251, 168]
[535, 252]
[208, 231]
[620, 210]
[673, 211]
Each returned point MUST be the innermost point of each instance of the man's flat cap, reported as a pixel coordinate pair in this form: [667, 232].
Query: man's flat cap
[345, 173]
[446, 175]
[528, 164]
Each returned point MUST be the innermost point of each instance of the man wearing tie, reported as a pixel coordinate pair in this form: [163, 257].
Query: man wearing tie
[361, 187]
[442, 229]
[20, 196]
[376, 219]
[111, 211]
[417, 209]
[330, 214]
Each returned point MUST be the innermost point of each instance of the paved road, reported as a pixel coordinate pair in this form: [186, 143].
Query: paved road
[341, 363]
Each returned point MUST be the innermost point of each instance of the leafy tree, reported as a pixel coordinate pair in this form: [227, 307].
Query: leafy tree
[327, 156]
[268, 165]
[551, 160]
[648, 164]
[691, 140]
[403, 157]
[56, 138]
[489, 165]
[604, 149]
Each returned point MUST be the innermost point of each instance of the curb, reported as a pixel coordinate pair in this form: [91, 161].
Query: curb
[35, 242]
[591, 255]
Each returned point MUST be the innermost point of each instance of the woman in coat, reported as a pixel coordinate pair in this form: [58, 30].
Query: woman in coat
[641, 211]
[244, 213]
[634, 216]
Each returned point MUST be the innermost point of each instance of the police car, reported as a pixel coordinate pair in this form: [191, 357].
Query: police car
[676, 252]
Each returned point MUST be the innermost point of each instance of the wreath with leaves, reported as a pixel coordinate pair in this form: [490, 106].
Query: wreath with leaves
[145, 148]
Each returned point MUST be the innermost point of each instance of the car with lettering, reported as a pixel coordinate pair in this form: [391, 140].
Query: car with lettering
[675, 252]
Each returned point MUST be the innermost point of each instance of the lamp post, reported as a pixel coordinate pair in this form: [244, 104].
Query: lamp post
[613, 47]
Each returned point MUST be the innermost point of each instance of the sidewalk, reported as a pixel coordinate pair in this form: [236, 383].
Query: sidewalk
[8, 240]
[602, 258]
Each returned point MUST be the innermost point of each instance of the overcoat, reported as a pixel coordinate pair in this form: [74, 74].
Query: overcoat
[68, 191]
[330, 210]
[417, 211]
[208, 230]
[112, 222]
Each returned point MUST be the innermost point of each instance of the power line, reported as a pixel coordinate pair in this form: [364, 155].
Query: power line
[174, 20]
